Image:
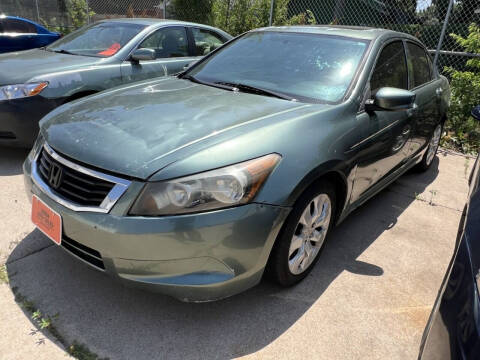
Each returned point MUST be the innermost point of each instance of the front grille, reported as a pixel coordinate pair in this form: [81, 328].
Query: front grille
[89, 255]
[73, 185]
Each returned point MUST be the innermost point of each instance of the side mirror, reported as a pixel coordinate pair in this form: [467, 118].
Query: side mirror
[391, 99]
[476, 112]
[143, 54]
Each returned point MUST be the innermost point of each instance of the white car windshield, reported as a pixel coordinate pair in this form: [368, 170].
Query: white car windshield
[100, 40]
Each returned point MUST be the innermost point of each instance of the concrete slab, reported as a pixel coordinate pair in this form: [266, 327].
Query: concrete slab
[20, 339]
[444, 184]
[368, 297]
[15, 207]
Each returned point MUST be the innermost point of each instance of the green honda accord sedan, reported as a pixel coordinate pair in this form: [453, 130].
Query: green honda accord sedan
[197, 185]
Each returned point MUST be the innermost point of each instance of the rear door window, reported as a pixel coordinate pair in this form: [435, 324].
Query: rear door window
[167, 43]
[391, 68]
[419, 65]
[18, 26]
[206, 41]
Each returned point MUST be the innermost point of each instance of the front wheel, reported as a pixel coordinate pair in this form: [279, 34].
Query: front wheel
[303, 236]
[431, 150]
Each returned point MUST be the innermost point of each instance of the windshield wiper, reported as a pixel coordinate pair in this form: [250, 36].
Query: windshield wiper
[255, 90]
[63, 51]
[237, 87]
[198, 81]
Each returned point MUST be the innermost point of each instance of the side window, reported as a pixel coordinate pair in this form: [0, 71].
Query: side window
[391, 68]
[206, 41]
[17, 26]
[167, 43]
[419, 65]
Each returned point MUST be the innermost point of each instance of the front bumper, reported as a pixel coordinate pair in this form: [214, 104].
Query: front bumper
[195, 257]
[19, 119]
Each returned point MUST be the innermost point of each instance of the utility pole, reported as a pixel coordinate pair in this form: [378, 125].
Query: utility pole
[442, 34]
[38, 12]
[271, 13]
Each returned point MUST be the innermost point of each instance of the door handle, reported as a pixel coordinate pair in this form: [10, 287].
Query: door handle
[406, 130]
[413, 110]
[439, 92]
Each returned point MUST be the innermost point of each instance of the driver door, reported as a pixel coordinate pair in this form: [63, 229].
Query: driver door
[386, 134]
[172, 54]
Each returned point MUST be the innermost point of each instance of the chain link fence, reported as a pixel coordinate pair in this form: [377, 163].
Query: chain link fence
[424, 19]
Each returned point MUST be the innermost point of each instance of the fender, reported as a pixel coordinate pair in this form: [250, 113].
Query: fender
[338, 173]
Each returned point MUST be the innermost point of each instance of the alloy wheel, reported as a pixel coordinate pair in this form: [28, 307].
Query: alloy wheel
[309, 234]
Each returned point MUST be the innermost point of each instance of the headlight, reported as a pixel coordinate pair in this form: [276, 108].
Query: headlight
[228, 186]
[21, 90]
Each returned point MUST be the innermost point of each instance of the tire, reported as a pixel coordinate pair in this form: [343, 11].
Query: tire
[432, 149]
[296, 237]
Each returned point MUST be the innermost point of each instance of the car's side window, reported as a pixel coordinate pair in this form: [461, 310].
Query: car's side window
[391, 68]
[17, 26]
[167, 43]
[419, 65]
[206, 41]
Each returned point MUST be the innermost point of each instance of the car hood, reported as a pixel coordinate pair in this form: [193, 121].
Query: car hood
[19, 67]
[130, 130]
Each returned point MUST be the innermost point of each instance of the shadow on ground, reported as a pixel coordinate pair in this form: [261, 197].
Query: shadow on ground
[11, 161]
[123, 323]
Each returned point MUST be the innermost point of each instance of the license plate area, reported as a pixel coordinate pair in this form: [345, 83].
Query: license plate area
[47, 220]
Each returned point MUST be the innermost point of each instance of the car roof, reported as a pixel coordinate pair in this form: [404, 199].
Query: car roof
[357, 32]
[160, 22]
[145, 21]
[17, 18]
[2, 16]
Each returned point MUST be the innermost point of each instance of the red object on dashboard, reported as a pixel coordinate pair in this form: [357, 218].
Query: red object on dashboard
[111, 50]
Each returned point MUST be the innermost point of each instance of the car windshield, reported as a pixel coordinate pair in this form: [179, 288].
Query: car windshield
[305, 67]
[100, 40]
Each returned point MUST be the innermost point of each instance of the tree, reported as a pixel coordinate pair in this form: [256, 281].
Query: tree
[401, 11]
[465, 11]
[441, 7]
[238, 16]
[199, 11]
[78, 12]
[428, 16]
[462, 130]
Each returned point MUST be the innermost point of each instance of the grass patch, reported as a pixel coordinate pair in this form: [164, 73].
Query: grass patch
[46, 322]
[3, 274]
[81, 352]
[433, 193]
